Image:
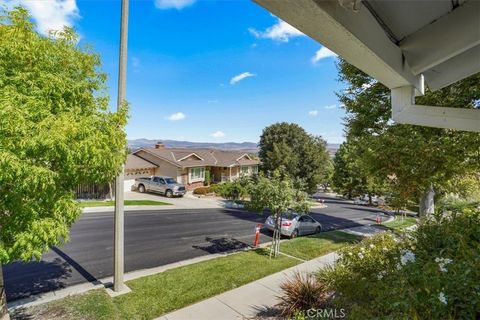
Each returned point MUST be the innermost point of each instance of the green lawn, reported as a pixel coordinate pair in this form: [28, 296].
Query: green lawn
[92, 203]
[400, 223]
[310, 247]
[158, 294]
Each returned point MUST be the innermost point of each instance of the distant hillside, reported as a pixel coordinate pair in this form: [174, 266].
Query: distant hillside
[244, 146]
[332, 148]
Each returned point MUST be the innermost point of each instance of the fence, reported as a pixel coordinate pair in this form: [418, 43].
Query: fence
[95, 191]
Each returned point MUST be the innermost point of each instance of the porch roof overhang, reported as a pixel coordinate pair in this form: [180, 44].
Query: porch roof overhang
[402, 44]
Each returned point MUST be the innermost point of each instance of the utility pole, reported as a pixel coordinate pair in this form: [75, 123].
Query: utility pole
[118, 260]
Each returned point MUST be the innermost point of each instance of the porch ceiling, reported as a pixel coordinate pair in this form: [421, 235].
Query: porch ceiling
[395, 41]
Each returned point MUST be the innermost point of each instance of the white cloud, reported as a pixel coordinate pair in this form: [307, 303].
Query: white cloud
[323, 53]
[176, 116]
[48, 14]
[281, 31]
[173, 4]
[333, 106]
[241, 76]
[313, 113]
[218, 134]
[212, 101]
[135, 62]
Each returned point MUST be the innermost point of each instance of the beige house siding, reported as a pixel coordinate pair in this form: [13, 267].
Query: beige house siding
[167, 169]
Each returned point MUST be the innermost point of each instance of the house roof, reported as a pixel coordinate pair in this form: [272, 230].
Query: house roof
[186, 158]
[133, 162]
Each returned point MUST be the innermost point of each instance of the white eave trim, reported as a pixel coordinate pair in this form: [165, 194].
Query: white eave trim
[404, 110]
[191, 154]
[243, 155]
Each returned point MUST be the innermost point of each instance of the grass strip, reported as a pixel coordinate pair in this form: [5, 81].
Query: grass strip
[89, 203]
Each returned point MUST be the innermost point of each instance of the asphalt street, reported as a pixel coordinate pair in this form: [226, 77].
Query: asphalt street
[155, 238]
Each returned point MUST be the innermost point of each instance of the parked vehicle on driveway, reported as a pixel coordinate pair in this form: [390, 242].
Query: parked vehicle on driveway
[164, 185]
[294, 225]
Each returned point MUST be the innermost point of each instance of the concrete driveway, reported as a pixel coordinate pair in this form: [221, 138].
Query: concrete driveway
[188, 201]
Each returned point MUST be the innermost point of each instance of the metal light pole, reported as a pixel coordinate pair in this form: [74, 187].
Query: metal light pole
[119, 189]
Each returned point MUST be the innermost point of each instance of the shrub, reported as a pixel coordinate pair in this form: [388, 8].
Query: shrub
[430, 273]
[202, 190]
[232, 190]
[301, 293]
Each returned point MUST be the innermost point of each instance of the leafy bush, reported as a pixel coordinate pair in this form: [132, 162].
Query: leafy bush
[232, 190]
[301, 293]
[202, 190]
[430, 273]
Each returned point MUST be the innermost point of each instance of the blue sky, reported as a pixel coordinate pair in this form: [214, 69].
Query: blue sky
[207, 70]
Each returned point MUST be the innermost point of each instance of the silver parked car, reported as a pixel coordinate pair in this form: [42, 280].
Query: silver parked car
[294, 224]
[164, 185]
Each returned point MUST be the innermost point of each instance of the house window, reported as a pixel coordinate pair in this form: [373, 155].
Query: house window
[244, 170]
[197, 174]
[255, 169]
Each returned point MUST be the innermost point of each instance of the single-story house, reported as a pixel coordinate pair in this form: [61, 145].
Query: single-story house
[188, 166]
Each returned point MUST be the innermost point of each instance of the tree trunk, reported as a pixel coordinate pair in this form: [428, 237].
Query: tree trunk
[427, 204]
[110, 190]
[275, 248]
[370, 199]
[3, 299]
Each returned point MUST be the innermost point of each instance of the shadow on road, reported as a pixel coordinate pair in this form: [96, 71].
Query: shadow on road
[221, 245]
[44, 275]
[332, 223]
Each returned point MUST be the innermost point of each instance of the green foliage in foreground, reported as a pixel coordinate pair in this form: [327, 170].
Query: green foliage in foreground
[430, 273]
[56, 132]
[88, 204]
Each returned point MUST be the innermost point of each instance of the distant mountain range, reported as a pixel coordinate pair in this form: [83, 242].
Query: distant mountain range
[243, 146]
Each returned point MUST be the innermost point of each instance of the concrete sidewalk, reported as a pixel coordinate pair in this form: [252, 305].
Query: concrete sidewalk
[249, 301]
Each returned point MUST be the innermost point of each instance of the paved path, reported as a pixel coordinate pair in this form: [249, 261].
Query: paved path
[154, 238]
[252, 300]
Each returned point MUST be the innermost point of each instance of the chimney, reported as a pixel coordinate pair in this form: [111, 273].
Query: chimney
[159, 145]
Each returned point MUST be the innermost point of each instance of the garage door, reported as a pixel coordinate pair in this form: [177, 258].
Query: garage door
[131, 176]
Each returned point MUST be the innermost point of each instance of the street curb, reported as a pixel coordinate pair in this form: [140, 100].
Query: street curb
[107, 282]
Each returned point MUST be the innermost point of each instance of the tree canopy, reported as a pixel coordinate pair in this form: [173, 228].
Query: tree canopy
[56, 132]
[414, 157]
[278, 194]
[288, 147]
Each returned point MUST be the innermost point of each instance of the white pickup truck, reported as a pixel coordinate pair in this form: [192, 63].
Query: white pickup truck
[164, 185]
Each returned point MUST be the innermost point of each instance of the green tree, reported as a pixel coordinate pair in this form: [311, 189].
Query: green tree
[279, 195]
[301, 155]
[346, 177]
[56, 132]
[417, 159]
